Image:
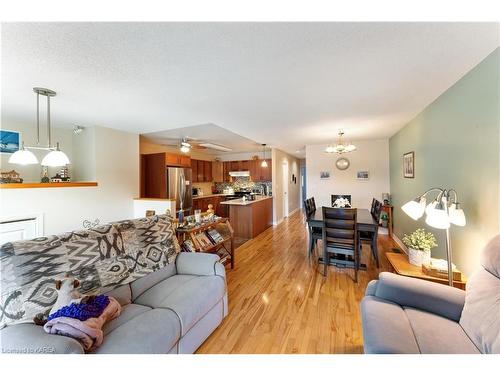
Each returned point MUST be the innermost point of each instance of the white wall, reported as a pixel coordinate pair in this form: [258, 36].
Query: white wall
[370, 155]
[278, 158]
[32, 173]
[64, 209]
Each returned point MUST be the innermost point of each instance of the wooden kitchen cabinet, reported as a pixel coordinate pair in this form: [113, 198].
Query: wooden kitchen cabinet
[201, 170]
[207, 171]
[194, 170]
[217, 171]
[175, 160]
[226, 166]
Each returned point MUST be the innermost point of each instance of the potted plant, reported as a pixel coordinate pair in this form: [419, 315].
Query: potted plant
[419, 245]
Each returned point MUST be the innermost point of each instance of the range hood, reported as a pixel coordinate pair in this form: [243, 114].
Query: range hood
[240, 174]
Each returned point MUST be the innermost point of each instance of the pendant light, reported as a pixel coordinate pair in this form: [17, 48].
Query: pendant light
[55, 157]
[23, 157]
[264, 161]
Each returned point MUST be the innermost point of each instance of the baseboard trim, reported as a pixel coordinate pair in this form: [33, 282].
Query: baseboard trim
[400, 243]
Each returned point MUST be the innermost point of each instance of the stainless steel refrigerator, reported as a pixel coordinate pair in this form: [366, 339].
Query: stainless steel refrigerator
[179, 188]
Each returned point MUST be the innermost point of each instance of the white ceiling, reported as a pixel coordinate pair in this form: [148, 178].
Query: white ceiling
[206, 133]
[285, 84]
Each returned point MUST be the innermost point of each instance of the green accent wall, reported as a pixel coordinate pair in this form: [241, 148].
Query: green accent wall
[456, 140]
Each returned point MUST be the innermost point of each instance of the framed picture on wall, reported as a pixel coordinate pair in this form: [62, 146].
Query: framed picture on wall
[9, 141]
[324, 175]
[363, 175]
[409, 165]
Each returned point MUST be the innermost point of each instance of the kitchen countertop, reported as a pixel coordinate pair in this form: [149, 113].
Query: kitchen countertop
[241, 202]
[154, 199]
[210, 195]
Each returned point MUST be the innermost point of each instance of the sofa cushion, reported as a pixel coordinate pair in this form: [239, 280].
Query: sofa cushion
[437, 335]
[189, 296]
[144, 283]
[128, 312]
[150, 332]
[386, 328]
[481, 314]
[122, 294]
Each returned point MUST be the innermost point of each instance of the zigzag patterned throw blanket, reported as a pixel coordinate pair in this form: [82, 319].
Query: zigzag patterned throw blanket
[102, 258]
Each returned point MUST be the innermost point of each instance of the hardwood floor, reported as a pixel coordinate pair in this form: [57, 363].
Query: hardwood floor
[279, 302]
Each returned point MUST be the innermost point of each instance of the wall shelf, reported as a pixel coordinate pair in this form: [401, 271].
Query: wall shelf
[37, 185]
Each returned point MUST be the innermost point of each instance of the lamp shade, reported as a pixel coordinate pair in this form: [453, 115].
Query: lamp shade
[264, 163]
[438, 218]
[457, 215]
[415, 208]
[23, 157]
[55, 158]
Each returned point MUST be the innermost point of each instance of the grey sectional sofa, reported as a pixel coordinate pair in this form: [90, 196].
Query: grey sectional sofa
[406, 315]
[171, 310]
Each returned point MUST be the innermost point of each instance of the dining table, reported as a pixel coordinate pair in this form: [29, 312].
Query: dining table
[364, 223]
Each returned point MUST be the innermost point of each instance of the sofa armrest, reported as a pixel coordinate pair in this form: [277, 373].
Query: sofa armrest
[200, 264]
[371, 288]
[27, 338]
[421, 294]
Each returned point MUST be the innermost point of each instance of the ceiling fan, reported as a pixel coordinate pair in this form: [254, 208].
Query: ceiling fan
[185, 144]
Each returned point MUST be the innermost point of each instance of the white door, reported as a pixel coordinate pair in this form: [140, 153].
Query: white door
[285, 188]
[17, 230]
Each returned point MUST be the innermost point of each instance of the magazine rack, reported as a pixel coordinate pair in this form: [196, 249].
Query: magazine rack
[196, 236]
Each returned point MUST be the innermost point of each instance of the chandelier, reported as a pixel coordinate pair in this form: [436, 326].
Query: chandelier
[340, 147]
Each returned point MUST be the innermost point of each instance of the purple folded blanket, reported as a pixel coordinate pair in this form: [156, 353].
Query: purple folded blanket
[91, 308]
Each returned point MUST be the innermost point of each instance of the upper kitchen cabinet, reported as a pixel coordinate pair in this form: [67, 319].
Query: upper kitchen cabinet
[217, 171]
[259, 173]
[175, 160]
[201, 170]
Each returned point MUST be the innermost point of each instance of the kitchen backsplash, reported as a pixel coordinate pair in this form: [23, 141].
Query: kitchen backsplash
[241, 183]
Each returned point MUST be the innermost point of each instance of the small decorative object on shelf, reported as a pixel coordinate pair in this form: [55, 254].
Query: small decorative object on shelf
[62, 176]
[45, 175]
[419, 245]
[11, 177]
[386, 198]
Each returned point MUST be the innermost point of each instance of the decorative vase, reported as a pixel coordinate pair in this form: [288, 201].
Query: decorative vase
[419, 257]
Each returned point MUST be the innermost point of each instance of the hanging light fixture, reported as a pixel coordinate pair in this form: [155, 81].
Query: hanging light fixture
[340, 147]
[23, 157]
[55, 157]
[264, 161]
[185, 146]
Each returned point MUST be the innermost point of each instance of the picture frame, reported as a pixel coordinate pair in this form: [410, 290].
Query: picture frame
[363, 175]
[10, 141]
[409, 165]
[324, 175]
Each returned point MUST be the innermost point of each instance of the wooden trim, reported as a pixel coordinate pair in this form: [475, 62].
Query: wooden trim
[36, 185]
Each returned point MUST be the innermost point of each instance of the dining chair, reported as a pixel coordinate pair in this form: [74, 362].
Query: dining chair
[340, 235]
[337, 196]
[372, 237]
[372, 209]
[315, 234]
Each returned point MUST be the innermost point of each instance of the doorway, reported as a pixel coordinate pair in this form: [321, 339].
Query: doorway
[303, 185]
[285, 188]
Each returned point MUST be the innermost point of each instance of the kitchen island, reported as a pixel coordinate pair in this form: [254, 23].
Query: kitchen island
[249, 218]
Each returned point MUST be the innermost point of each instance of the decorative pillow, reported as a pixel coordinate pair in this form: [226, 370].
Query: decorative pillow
[105, 257]
[481, 314]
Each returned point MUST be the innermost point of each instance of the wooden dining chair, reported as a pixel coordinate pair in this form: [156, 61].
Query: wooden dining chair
[340, 236]
[315, 234]
[372, 237]
[372, 209]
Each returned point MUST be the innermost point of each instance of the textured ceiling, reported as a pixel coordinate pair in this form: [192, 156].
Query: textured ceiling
[285, 84]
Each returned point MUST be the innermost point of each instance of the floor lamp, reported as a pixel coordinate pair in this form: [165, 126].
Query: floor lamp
[440, 213]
